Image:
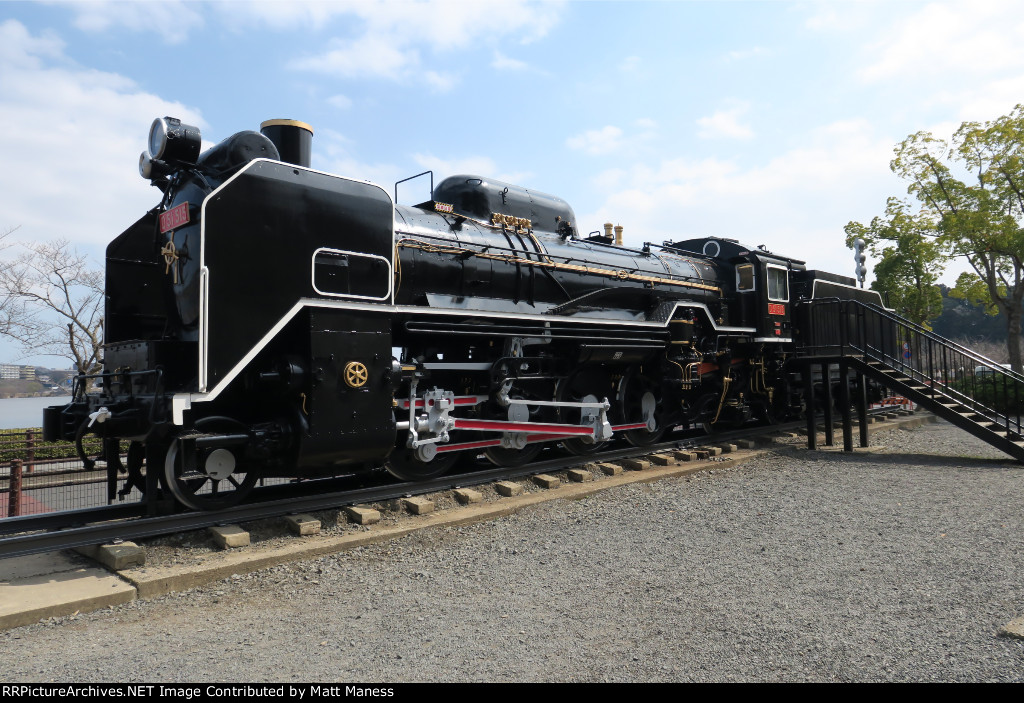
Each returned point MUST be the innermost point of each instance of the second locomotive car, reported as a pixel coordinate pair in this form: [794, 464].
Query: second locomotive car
[268, 319]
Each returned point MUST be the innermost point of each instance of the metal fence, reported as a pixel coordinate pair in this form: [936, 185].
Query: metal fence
[39, 477]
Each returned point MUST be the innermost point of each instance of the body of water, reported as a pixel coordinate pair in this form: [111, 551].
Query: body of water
[26, 412]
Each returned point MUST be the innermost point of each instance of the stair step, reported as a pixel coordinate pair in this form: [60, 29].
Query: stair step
[990, 426]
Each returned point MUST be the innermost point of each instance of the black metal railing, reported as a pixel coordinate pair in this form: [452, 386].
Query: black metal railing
[941, 368]
[43, 477]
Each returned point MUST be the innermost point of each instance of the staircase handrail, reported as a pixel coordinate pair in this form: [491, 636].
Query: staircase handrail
[929, 334]
[970, 390]
[837, 333]
[994, 365]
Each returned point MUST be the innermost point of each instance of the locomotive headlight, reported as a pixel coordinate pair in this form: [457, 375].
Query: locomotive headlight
[146, 165]
[158, 137]
[172, 140]
[151, 169]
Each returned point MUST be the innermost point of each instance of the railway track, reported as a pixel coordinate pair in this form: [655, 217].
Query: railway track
[50, 532]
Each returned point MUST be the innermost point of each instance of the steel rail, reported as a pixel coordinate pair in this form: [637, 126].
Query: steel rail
[120, 522]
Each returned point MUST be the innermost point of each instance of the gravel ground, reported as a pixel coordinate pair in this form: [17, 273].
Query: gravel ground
[797, 566]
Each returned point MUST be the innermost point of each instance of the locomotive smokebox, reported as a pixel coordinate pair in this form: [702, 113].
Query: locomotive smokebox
[293, 139]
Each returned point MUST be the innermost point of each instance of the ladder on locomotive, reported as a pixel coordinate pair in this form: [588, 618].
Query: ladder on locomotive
[953, 382]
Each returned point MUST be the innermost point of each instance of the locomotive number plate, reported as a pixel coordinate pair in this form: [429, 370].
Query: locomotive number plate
[776, 309]
[174, 218]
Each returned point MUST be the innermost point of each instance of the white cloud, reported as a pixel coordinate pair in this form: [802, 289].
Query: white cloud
[20, 50]
[796, 203]
[825, 18]
[476, 165]
[725, 124]
[440, 82]
[504, 63]
[379, 39]
[342, 102]
[171, 19]
[630, 64]
[287, 16]
[987, 101]
[924, 66]
[597, 141]
[73, 141]
[397, 41]
[365, 56]
[967, 58]
[855, 17]
[471, 165]
[333, 155]
[948, 40]
[438, 23]
[611, 139]
[744, 54]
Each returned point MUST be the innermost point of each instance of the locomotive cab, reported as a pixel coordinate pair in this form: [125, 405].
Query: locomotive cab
[760, 284]
[776, 318]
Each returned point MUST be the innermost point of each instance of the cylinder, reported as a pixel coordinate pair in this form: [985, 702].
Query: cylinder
[293, 139]
[618, 235]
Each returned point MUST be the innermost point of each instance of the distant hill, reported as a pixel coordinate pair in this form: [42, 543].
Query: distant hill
[961, 320]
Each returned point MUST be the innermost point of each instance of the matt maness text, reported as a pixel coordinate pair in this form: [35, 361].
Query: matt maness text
[190, 692]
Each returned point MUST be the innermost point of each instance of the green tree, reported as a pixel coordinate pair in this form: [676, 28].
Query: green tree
[908, 260]
[971, 192]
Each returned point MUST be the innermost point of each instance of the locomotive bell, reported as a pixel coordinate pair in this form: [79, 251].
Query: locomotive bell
[293, 139]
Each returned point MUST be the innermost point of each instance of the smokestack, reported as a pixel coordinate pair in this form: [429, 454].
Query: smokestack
[608, 229]
[618, 235]
[293, 139]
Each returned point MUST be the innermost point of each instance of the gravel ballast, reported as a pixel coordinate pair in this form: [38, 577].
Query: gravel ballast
[894, 565]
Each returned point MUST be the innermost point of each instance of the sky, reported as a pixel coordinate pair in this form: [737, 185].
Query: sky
[768, 122]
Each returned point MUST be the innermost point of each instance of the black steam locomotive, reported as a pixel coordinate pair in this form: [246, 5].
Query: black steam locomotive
[267, 319]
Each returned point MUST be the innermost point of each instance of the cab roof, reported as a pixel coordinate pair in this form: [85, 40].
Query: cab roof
[724, 249]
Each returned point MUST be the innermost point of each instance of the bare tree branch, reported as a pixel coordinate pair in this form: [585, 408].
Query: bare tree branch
[56, 302]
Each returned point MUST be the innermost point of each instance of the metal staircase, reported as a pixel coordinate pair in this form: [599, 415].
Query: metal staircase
[952, 381]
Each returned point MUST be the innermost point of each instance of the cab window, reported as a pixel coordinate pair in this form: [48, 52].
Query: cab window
[745, 277]
[778, 284]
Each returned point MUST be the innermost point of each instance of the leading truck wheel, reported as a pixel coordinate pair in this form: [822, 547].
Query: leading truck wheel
[206, 478]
